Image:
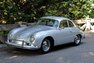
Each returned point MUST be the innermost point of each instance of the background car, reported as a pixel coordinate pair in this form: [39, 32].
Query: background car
[48, 32]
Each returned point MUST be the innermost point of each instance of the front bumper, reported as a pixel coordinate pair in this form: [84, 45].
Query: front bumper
[22, 45]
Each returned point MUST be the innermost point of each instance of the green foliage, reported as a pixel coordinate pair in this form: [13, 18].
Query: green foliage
[30, 10]
[92, 14]
[74, 9]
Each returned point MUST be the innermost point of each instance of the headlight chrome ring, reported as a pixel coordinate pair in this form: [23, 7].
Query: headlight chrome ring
[32, 39]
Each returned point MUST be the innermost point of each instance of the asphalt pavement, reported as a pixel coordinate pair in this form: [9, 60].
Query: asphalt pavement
[66, 53]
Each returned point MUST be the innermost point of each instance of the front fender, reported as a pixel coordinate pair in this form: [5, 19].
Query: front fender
[40, 36]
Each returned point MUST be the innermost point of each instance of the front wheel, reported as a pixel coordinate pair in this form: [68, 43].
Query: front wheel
[45, 46]
[77, 40]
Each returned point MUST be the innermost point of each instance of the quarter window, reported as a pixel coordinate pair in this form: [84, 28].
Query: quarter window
[71, 24]
[63, 24]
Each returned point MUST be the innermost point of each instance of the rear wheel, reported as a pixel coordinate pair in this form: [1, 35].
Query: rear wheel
[45, 46]
[77, 40]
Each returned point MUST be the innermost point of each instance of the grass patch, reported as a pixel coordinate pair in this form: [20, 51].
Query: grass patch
[3, 36]
[4, 33]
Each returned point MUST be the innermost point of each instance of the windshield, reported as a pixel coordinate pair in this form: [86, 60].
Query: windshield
[48, 22]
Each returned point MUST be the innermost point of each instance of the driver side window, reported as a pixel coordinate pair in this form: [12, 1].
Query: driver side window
[63, 24]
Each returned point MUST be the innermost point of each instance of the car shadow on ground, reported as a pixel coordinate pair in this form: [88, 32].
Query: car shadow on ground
[64, 46]
[24, 52]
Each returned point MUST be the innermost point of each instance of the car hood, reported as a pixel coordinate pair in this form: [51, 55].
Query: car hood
[25, 32]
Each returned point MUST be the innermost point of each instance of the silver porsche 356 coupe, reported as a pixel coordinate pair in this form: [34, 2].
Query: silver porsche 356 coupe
[48, 32]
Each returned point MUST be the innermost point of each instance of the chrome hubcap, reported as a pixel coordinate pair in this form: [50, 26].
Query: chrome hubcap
[46, 45]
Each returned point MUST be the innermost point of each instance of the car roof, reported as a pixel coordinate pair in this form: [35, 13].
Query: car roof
[55, 18]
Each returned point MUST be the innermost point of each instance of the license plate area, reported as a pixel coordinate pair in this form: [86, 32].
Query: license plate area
[17, 42]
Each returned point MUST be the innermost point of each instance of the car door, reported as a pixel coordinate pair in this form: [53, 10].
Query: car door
[72, 29]
[63, 32]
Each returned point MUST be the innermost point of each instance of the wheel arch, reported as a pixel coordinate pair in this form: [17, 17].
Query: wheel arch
[51, 39]
[79, 35]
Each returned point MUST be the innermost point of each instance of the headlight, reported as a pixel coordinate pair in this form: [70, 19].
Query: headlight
[9, 36]
[32, 38]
